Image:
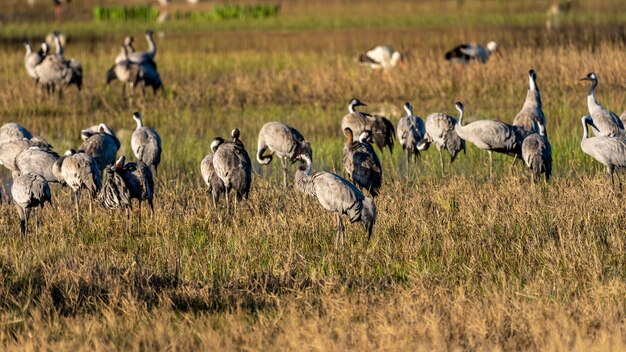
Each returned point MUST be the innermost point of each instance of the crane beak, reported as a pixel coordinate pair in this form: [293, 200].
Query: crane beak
[585, 79]
[499, 53]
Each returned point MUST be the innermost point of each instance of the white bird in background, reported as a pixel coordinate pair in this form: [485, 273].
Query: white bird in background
[605, 122]
[470, 52]
[381, 57]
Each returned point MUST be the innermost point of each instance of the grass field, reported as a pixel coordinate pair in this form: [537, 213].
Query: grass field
[456, 262]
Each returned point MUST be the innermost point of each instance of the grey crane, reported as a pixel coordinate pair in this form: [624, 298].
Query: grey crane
[491, 135]
[284, 141]
[38, 161]
[472, 52]
[10, 150]
[127, 72]
[606, 122]
[233, 166]
[30, 191]
[440, 131]
[609, 151]
[383, 132]
[75, 67]
[12, 132]
[215, 185]
[381, 57]
[33, 58]
[361, 162]
[102, 145]
[411, 130]
[79, 171]
[336, 195]
[537, 153]
[146, 143]
[532, 113]
[125, 182]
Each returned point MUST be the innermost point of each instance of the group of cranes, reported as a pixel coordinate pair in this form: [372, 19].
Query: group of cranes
[134, 68]
[228, 167]
[52, 71]
[34, 165]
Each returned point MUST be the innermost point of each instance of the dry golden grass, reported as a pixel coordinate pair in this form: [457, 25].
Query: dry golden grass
[456, 262]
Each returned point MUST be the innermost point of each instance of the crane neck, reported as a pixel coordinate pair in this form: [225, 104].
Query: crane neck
[138, 121]
[151, 44]
[29, 48]
[585, 129]
[592, 91]
[461, 113]
[352, 108]
[58, 46]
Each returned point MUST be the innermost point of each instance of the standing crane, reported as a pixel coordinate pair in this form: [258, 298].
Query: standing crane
[79, 171]
[101, 145]
[127, 72]
[609, 151]
[606, 122]
[233, 166]
[215, 184]
[491, 135]
[75, 67]
[440, 131]
[33, 58]
[146, 143]
[30, 191]
[537, 153]
[382, 129]
[125, 182]
[336, 195]
[284, 141]
[361, 162]
[411, 131]
[532, 113]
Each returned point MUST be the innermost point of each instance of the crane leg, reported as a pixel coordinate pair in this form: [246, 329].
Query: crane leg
[490, 166]
[619, 180]
[139, 221]
[76, 197]
[227, 200]
[441, 162]
[283, 161]
[36, 223]
[408, 156]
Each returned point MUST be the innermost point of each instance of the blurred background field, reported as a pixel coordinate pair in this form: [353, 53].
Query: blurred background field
[457, 261]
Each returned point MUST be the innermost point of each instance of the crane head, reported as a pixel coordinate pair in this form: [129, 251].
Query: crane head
[532, 74]
[354, 102]
[591, 76]
[217, 141]
[119, 164]
[459, 106]
[365, 136]
[235, 133]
